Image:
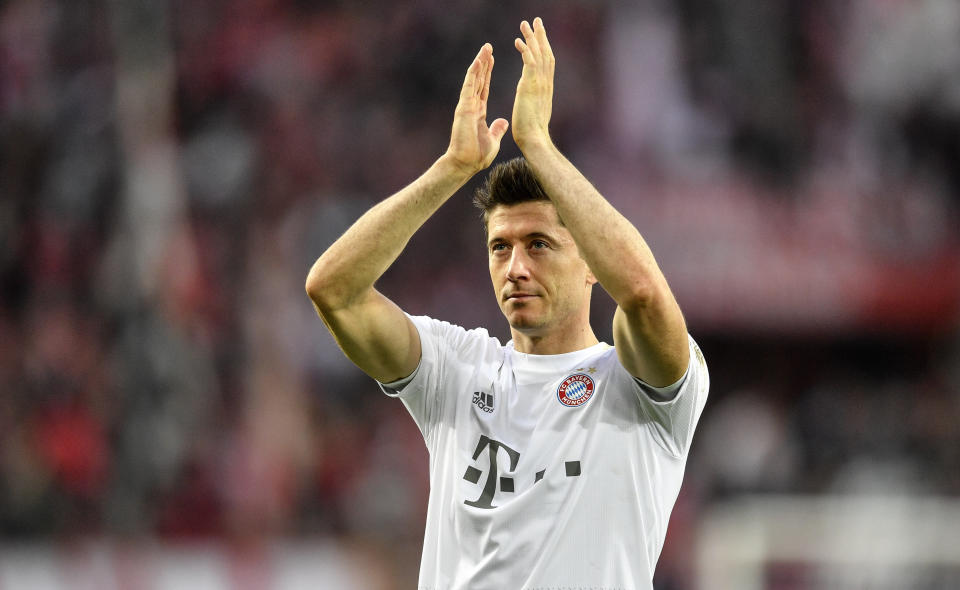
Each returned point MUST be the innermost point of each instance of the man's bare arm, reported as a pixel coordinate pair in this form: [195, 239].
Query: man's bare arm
[370, 329]
[648, 328]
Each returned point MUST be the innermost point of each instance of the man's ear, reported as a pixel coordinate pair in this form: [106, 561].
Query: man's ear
[591, 280]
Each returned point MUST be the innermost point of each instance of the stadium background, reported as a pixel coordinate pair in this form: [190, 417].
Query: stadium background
[172, 414]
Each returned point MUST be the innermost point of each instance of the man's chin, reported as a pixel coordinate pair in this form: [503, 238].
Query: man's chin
[524, 322]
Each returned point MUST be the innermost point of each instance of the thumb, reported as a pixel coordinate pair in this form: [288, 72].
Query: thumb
[498, 128]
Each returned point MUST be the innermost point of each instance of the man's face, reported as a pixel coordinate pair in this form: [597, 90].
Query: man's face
[540, 280]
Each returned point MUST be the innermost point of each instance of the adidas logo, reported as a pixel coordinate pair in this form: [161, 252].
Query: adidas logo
[484, 401]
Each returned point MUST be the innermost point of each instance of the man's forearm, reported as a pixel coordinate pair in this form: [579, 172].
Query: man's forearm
[364, 252]
[612, 247]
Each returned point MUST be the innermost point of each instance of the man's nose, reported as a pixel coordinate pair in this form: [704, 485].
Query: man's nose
[518, 268]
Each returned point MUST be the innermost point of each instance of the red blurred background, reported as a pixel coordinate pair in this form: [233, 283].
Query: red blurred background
[170, 170]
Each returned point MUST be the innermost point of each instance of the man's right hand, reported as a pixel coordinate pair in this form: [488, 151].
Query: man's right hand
[474, 145]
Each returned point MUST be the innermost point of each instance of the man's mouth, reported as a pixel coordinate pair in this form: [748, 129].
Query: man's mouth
[520, 296]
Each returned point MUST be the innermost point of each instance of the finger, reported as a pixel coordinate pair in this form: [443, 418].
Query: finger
[541, 34]
[482, 74]
[470, 80]
[530, 38]
[487, 73]
[485, 85]
[473, 77]
[525, 52]
[498, 128]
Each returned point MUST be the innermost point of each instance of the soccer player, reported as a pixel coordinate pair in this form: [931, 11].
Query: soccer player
[555, 459]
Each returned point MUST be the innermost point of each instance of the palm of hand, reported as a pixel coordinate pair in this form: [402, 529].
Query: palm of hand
[470, 141]
[534, 101]
[532, 108]
[473, 144]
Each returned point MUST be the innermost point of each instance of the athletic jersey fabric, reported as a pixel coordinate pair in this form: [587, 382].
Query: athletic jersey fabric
[546, 471]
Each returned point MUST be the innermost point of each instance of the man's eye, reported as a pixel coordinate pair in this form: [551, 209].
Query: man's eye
[540, 244]
[498, 247]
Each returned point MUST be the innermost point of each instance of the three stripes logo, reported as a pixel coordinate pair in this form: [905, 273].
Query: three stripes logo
[484, 401]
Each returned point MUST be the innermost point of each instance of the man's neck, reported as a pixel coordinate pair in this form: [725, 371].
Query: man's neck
[556, 342]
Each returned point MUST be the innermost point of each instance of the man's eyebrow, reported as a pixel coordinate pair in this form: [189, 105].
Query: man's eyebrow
[539, 234]
[529, 236]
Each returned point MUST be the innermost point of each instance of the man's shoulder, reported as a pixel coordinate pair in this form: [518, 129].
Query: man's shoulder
[453, 335]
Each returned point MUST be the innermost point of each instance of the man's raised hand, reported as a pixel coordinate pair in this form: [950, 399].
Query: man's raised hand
[474, 145]
[534, 101]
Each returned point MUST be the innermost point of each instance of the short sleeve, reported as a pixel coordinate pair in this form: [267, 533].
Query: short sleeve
[448, 355]
[673, 421]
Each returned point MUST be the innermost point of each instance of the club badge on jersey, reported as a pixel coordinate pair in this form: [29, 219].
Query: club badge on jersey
[576, 390]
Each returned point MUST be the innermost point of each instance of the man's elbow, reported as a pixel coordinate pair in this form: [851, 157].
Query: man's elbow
[652, 307]
[321, 289]
[313, 288]
[638, 297]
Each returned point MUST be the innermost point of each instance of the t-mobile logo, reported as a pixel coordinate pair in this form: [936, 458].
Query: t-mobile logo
[493, 477]
[496, 481]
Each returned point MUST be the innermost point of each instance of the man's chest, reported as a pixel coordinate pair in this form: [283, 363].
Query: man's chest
[517, 436]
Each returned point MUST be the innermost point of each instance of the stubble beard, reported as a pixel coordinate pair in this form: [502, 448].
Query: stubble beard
[525, 320]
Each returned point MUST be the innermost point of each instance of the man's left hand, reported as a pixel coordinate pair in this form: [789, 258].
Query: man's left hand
[534, 101]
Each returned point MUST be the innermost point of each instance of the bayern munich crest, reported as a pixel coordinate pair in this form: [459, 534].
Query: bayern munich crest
[575, 390]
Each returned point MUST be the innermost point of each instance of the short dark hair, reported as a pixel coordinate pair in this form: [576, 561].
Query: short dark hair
[508, 183]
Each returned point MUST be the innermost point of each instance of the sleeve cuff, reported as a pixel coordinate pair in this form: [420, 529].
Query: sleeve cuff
[663, 394]
[395, 387]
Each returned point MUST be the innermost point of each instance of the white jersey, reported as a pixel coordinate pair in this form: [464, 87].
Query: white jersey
[546, 471]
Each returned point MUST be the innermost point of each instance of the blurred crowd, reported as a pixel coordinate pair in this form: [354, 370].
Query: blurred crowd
[170, 169]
